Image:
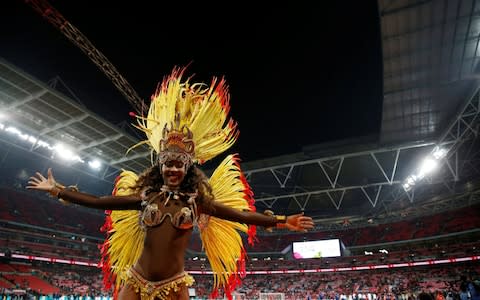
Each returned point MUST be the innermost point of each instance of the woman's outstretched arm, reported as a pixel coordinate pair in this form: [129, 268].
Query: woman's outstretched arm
[297, 222]
[39, 182]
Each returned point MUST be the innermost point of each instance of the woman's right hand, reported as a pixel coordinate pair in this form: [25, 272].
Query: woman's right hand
[297, 222]
[39, 182]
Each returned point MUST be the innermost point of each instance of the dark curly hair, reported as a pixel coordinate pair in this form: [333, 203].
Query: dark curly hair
[194, 180]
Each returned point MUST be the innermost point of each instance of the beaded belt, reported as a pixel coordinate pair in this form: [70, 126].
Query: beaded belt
[152, 290]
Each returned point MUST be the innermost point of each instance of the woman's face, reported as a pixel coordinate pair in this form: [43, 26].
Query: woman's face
[173, 172]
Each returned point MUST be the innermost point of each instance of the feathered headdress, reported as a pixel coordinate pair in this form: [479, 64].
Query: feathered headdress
[196, 112]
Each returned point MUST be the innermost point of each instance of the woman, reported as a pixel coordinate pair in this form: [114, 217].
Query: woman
[185, 125]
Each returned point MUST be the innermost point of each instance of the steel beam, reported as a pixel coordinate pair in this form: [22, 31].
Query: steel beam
[129, 158]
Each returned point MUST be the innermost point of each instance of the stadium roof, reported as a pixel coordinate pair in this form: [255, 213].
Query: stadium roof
[431, 102]
[51, 116]
[430, 65]
[430, 61]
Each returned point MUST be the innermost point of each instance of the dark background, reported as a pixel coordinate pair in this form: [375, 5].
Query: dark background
[298, 75]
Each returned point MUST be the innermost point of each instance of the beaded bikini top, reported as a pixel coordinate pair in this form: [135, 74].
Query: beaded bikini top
[153, 216]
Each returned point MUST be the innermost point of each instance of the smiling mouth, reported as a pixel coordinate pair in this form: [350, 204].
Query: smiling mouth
[173, 177]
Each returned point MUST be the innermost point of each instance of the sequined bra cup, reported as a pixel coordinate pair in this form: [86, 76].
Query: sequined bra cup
[152, 216]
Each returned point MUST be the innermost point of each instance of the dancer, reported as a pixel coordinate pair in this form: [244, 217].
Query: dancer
[150, 217]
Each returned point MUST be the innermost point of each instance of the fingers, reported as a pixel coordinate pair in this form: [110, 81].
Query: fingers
[297, 215]
[31, 187]
[306, 223]
[299, 222]
[33, 183]
[50, 174]
[309, 226]
[34, 179]
[41, 176]
[36, 182]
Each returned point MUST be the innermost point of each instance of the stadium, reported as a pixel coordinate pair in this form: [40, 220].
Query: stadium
[396, 213]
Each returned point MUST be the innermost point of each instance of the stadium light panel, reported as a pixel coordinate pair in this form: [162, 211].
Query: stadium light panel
[428, 165]
[439, 153]
[59, 149]
[13, 130]
[66, 154]
[95, 164]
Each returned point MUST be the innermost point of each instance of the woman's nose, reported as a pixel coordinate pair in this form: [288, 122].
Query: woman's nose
[174, 168]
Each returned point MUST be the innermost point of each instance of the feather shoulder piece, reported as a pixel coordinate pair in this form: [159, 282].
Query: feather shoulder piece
[221, 238]
[124, 242]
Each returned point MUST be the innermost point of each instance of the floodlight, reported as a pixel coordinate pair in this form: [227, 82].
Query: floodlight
[95, 164]
[439, 153]
[12, 129]
[410, 180]
[428, 165]
[63, 152]
[66, 154]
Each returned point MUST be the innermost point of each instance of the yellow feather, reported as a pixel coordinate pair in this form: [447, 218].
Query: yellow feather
[202, 108]
[126, 236]
[228, 189]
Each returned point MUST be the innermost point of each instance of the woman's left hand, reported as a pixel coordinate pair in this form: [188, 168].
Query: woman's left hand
[39, 182]
[298, 222]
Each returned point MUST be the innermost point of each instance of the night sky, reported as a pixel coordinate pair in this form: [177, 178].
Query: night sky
[298, 75]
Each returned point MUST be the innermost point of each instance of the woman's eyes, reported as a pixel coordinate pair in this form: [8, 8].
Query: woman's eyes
[170, 164]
